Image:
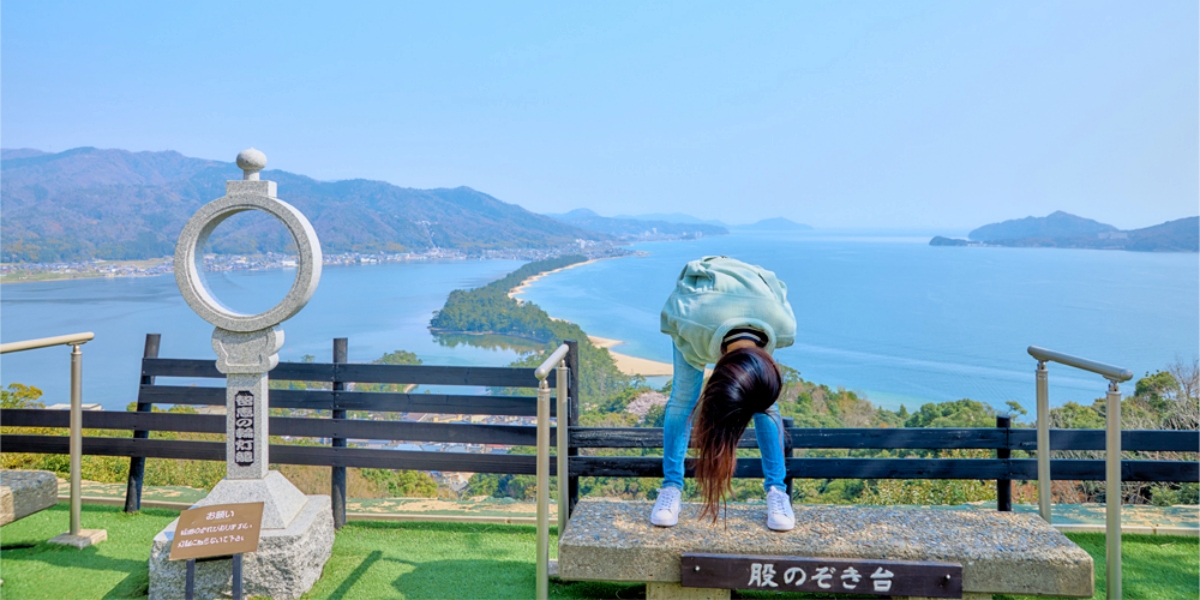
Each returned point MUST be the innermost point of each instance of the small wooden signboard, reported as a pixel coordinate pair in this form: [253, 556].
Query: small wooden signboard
[824, 575]
[217, 530]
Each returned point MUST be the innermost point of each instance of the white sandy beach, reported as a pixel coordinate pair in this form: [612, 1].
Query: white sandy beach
[632, 365]
[513, 293]
[629, 365]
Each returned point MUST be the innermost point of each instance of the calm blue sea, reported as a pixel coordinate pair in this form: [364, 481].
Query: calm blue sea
[905, 322]
[891, 317]
[380, 308]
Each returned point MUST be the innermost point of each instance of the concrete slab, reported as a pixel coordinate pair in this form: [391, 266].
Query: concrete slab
[86, 537]
[1001, 553]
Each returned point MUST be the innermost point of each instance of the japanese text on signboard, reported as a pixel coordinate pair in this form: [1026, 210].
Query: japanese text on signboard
[824, 575]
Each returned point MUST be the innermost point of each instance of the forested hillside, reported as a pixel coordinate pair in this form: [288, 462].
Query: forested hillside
[89, 203]
[1064, 230]
[489, 310]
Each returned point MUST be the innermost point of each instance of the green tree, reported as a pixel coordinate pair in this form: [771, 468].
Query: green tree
[19, 395]
[959, 413]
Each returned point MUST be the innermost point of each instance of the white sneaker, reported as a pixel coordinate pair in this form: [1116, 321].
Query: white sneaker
[779, 510]
[666, 508]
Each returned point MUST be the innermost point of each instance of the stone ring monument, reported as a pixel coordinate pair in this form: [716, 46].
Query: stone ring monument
[297, 530]
[242, 196]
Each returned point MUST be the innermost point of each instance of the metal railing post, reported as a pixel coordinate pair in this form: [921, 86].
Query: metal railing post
[1112, 492]
[337, 484]
[1112, 449]
[76, 434]
[543, 468]
[1043, 440]
[561, 419]
[543, 491]
[77, 537]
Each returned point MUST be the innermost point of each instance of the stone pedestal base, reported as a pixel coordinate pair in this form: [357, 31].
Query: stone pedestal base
[287, 564]
[281, 500]
[86, 537]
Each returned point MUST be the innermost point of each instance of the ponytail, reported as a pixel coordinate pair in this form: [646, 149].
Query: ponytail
[744, 382]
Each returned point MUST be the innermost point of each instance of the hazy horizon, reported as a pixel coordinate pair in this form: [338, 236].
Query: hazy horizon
[935, 116]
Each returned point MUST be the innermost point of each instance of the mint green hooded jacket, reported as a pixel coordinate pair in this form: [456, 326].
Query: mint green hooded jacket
[717, 294]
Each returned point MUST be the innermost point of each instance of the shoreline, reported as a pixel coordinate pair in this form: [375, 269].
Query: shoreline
[521, 287]
[629, 365]
[633, 365]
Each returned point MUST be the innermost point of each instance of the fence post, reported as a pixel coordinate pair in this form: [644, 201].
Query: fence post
[562, 376]
[572, 418]
[788, 451]
[1004, 486]
[137, 464]
[337, 492]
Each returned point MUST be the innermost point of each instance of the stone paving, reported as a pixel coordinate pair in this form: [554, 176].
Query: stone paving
[1138, 515]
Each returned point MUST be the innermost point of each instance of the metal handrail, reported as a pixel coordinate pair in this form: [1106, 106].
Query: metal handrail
[70, 339]
[543, 371]
[1109, 372]
[74, 340]
[1112, 450]
[555, 360]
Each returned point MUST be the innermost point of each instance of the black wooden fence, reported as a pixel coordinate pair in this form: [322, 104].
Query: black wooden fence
[1002, 440]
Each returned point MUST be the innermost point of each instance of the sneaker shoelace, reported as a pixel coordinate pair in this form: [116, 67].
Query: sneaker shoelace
[666, 498]
[775, 502]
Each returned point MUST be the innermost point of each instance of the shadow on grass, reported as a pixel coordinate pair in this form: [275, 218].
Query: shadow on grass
[356, 574]
[135, 584]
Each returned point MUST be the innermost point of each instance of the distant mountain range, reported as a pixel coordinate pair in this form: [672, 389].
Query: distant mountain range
[1064, 230]
[775, 224]
[113, 204]
[581, 216]
[629, 229]
[674, 218]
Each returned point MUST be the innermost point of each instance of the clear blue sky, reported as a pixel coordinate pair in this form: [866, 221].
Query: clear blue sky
[877, 114]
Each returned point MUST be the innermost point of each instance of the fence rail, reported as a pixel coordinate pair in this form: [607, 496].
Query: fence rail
[614, 466]
[632, 437]
[335, 431]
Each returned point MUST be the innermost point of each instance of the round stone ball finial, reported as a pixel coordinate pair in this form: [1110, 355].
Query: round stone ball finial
[251, 161]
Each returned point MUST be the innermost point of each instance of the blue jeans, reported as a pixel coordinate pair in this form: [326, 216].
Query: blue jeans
[677, 429]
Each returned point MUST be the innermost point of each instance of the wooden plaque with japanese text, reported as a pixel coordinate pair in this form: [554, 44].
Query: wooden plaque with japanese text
[217, 530]
[823, 575]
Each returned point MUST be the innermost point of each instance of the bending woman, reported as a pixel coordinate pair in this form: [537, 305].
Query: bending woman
[733, 314]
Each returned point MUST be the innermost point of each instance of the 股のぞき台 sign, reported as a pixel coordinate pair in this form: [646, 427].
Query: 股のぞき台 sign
[824, 575]
[217, 530]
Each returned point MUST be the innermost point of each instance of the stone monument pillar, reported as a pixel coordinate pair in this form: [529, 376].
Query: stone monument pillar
[297, 530]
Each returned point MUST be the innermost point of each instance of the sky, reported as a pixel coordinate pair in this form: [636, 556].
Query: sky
[837, 114]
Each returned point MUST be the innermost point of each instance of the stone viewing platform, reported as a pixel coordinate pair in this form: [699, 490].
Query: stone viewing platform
[1000, 553]
[23, 493]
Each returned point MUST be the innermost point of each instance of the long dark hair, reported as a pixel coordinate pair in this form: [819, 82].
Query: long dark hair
[744, 382]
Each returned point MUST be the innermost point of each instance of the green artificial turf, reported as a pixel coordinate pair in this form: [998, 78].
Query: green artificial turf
[116, 568]
[420, 561]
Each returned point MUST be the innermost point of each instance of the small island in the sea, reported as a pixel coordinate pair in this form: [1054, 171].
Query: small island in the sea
[1064, 230]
